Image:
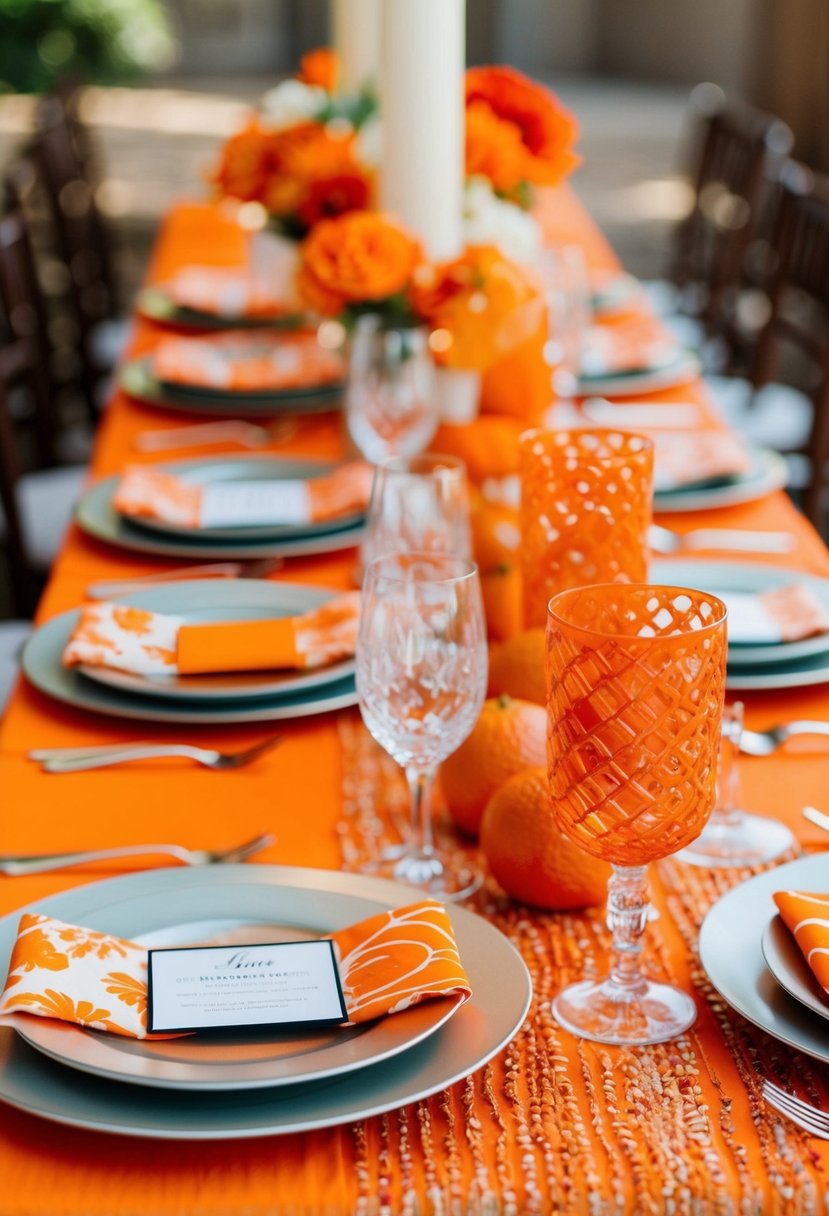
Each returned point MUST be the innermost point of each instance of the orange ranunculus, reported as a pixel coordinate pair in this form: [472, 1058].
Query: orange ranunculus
[483, 305]
[332, 196]
[547, 129]
[357, 257]
[243, 169]
[298, 156]
[494, 149]
[320, 67]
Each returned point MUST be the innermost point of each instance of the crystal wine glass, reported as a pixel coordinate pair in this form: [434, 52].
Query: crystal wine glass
[635, 686]
[421, 682]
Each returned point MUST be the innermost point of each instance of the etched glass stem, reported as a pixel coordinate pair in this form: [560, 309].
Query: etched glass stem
[420, 789]
[627, 915]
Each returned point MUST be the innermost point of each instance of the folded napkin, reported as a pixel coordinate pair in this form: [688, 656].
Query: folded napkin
[387, 963]
[247, 362]
[807, 916]
[786, 614]
[636, 343]
[147, 493]
[687, 457]
[227, 293]
[155, 643]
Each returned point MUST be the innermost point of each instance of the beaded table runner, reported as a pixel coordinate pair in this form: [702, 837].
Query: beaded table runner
[556, 1124]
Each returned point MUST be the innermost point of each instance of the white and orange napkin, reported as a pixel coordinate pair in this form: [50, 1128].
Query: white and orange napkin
[155, 643]
[147, 493]
[387, 963]
[785, 614]
[227, 293]
[635, 343]
[688, 457]
[806, 915]
[247, 362]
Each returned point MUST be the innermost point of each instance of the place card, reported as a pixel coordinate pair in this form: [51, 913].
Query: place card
[235, 504]
[228, 987]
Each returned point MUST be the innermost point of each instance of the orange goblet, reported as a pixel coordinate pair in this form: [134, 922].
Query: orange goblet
[635, 685]
[585, 511]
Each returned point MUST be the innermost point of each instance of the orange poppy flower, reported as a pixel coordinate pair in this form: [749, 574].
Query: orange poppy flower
[320, 67]
[355, 258]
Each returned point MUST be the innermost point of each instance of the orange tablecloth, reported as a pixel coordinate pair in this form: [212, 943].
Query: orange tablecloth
[552, 1123]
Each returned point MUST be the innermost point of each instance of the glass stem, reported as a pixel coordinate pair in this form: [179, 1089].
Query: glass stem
[420, 790]
[627, 914]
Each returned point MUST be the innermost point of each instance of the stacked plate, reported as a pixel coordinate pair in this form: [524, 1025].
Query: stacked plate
[757, 666]
[233, 1086]
[755, 964]
[157, 304]
[766, 472]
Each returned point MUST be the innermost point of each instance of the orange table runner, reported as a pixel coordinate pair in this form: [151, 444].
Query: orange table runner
[550, 1124]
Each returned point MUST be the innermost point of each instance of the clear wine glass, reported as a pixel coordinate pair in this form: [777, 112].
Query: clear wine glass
[564, 276]
[421, 681]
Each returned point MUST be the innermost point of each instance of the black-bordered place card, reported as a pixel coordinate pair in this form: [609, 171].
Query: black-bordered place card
[229, 987]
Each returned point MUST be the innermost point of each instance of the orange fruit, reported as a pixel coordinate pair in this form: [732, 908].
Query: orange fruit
[529, 856]
[501, 591]
[509, 736]
[517, 666]
[496, 534]
[487, 445]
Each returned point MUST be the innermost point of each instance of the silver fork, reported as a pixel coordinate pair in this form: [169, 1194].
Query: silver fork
[257, 568]
[79, 759]
[17, 867]
[811, 1118]
[662, 540]
[764, 742]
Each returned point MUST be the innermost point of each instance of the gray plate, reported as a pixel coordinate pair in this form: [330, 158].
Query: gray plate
[95, 516]
[785, 961]
[43, 667]
[730, 950]
[154, 302]
[317, 899]
[136, 379]
[237, 600]
[719, 576]
[682, 370]
[766, 473]
[209, 470]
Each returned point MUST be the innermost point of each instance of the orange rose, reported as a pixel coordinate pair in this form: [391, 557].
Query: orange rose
[243, 168]
[547, 129]
[331, 196]
[494, 149]
[357, 258]
[320, 67]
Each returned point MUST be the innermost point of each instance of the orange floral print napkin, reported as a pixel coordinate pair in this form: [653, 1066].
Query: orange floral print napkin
[683, 458]
[245, 362]
[228, 293]
[387, 963]
[155, 643]
[147, 493]
[806, 914]
[785, 614]
[635, 343]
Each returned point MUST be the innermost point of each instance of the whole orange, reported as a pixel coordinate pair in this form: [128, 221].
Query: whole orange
[517, 667]
[529, 856]
[503, 603]
[509, 736]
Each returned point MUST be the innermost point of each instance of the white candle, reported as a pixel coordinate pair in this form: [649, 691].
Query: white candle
[421, 177]
[356, 26]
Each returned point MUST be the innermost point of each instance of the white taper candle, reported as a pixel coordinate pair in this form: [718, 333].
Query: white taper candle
[356, 29]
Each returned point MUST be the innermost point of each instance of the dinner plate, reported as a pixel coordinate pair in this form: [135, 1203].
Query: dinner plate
[720, 577]
[137, 380]
[766, 472]
[156, 303]
[785, 961]
[212, 470]
[730, 950]
[41, 662]
[216, 600]
[312, 899]
[684, 367]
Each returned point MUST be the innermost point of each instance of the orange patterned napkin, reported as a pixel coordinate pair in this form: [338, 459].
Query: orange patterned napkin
[636, 343]
[785, 614]
[387, 963]
[155, 643]
[147, 493]
[228, 293]
[807, 916]
[245, 362]
[684, 458]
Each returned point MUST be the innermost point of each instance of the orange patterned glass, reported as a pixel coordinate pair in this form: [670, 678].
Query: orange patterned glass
[635, 686]
[585, 511]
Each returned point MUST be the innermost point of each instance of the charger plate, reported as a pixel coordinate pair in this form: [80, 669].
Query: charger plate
[156, 303]
[160, 902]
[730, 950]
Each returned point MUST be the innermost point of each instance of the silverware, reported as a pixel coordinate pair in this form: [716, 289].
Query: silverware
[79, 759]
[17, 867]
[811, 1118]
[258, 568]
[816, 817]
[206, 434]
[764, 742]
[661, 540]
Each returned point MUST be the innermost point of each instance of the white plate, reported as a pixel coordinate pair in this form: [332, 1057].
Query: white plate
[480, 1028]
[217, 600]
[42, 665]
[730, 950]
[720, 577]
[785, 961]
[766, 473]
[613, 293]
[681, 370]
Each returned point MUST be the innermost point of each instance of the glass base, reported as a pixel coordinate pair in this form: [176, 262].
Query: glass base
[742, 840]
[607, 1013]
[434, 875]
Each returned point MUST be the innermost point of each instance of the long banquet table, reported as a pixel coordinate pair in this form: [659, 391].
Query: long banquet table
[550, 1124]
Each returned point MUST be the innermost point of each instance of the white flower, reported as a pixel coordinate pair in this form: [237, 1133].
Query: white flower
[489, 220]
[290, 103]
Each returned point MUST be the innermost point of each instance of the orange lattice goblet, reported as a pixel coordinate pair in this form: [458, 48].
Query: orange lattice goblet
[585, 512]
[635, 684]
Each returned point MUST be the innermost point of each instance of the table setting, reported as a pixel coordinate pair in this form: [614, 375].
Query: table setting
[492, 684]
